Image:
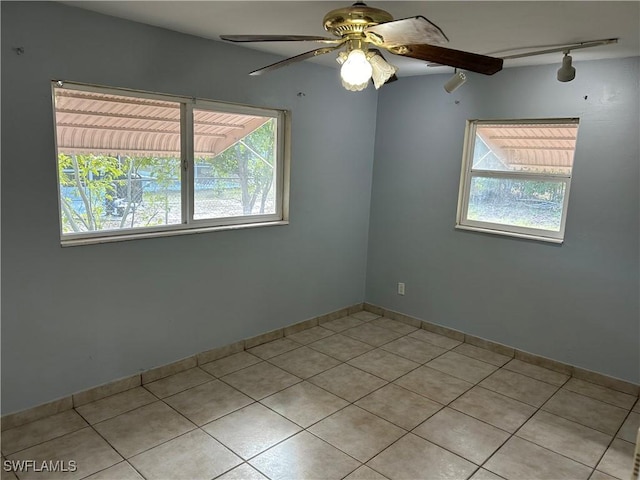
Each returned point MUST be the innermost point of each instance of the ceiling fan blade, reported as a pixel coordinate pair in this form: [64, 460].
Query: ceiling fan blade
[406, 31]
[279, 38]
[453, 58]
[297, 58]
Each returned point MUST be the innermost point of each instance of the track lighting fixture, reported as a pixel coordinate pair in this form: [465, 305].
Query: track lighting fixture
[455, 82]
[567, 72]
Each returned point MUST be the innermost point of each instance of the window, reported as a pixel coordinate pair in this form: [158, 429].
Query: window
[516, 177]
[133, 164]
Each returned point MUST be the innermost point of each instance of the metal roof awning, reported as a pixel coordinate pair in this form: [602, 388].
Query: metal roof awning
[531, 146]
[106, 124]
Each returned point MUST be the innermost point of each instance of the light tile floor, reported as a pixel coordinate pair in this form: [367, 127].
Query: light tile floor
[361, 397]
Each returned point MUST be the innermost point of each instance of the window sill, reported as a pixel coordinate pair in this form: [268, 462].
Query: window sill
[73, 242]
[538, 238]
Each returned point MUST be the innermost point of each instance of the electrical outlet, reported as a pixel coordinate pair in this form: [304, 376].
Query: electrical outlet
[400, 288]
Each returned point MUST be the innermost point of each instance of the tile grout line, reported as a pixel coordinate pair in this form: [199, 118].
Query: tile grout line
[119, 453]
[514, 355]
[300, 380]
[511, 435]
[391, 382]
[411, 431]
[7, 455]
[448, 405]
[306, 429]
[124, 460]
[302, 429]
[387, 381]
[107, 441]
[515, 434]
[87, 425]
[260, 360]
[600, 400]
[407, 432]
[179, 391]
[613, 439]
[593, 399]
[343, 362]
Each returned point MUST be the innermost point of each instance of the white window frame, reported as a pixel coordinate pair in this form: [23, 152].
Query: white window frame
[467, 173]
[190, 225]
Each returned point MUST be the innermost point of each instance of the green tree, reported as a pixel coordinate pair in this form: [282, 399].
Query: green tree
[91, 184]
[251, 160]
[165, 173]
[90, 177]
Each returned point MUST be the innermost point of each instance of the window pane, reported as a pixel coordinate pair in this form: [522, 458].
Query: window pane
[522, 203]
[118, 161]
[234, 171]
[535, 148]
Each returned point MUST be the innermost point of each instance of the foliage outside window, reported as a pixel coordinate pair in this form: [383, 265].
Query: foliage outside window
[516, 177]
[132, 164]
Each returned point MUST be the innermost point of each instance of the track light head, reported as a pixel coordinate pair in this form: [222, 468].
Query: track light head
[567, 72]
[455, 82]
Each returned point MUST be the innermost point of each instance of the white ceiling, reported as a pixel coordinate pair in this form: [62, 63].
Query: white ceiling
[496, 28]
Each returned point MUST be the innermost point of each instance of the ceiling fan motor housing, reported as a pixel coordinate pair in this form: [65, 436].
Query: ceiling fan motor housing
[352, 21]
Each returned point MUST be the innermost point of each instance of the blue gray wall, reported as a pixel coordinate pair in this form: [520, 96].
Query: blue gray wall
[77, 317]
[578, 302]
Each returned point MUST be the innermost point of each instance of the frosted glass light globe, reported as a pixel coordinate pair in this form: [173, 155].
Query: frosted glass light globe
[356, 70]
[382, 71]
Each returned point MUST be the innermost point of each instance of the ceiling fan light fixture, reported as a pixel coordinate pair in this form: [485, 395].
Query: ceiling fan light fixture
[356, 70]
[566, 72]
[355, 87]
[359, 28]
[381, 69]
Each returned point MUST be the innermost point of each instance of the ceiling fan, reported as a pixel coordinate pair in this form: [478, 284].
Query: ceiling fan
[363, 31]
